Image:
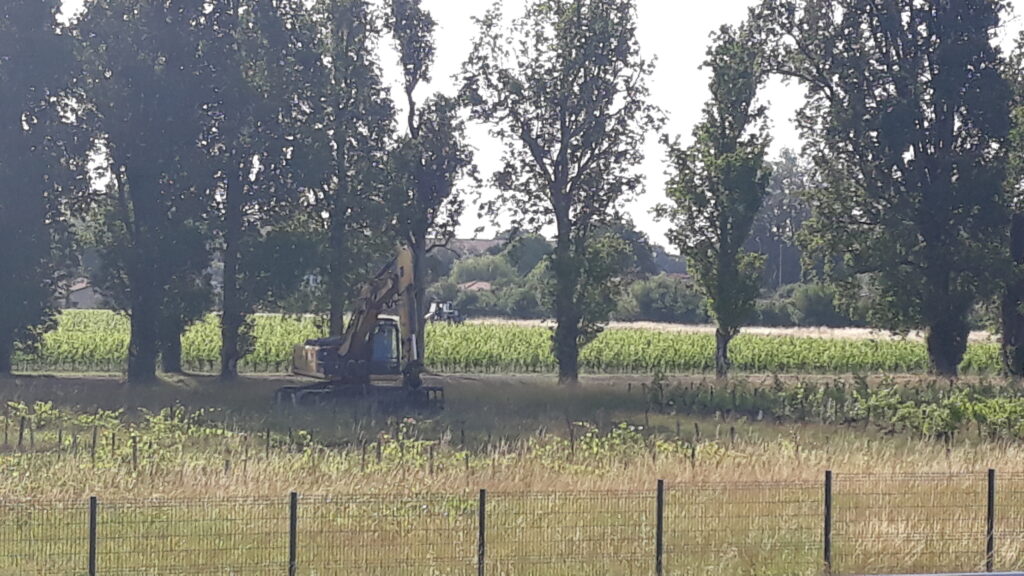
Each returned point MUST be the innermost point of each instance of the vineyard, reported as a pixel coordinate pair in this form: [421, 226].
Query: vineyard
[97, 341]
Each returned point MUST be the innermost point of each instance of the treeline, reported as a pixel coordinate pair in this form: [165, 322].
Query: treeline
[258, 136]
[255, 136]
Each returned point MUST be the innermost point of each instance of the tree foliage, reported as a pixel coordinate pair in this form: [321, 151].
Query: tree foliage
[36, 152]
[564, 87]
[906, 120]
[143, 84]
[1012, 305]
[719, 185]
[432, 156]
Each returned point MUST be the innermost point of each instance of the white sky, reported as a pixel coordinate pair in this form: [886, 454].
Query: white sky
[675, 32]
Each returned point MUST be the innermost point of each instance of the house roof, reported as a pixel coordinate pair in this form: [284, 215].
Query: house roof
[476, 286]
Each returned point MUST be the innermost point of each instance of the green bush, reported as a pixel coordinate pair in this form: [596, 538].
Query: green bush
[774, 313]
[662, 299]
[815, 305]
[486, 268]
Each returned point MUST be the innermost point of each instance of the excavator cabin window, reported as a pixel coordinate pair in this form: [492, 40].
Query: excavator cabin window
[386, 348]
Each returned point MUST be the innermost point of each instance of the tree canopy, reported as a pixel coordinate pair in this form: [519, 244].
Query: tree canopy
[564, 87]
[906, 121]
[719, 185]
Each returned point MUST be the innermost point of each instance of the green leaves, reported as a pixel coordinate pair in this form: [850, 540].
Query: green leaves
[38, 171]
[907, 120]
[720, 182]
[565, 88]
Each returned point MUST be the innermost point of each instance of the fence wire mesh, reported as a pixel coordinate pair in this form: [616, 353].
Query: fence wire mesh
[42, 539]
[755, 528]
[193, 537]
[388, 535]
[570, 533]
[1009, 522]
[880, 525]
[909, 523]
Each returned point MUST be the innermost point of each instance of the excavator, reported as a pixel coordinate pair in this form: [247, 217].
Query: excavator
[377, 356]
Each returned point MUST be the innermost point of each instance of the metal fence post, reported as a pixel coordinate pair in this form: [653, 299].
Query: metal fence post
[293, 533]
[92, 536]
[990, 524]
[659, 539]
[828, 522]
[481, 542]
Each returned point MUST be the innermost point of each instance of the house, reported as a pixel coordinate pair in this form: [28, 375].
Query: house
[476, 286]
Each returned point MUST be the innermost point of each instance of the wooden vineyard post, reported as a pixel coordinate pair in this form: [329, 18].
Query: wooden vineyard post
[990, 524]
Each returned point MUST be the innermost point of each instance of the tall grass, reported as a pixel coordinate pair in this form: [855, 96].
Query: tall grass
[196, 487]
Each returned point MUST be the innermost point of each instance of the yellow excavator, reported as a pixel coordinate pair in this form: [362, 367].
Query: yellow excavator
[377, 356]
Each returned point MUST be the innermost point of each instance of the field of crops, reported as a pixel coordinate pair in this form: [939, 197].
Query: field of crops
[98, 341]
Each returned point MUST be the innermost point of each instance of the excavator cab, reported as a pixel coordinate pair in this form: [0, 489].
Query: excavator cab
[319, 359]
[386, 356]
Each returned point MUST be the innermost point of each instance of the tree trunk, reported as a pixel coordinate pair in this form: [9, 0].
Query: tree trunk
[567, 350]
[419, 256]
[337, 304]
[947, 343]
[566, 339]
[230, 355]
[722, 364]
[6, 352]
[1013, 303]
[337, 289]
[170, 354]
[232, 314]
[144, 343]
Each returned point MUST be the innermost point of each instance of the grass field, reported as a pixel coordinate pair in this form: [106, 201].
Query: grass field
[192, 475]
[88, 341]
[570, 475]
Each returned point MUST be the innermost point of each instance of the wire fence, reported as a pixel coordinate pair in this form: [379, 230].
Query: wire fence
[846, 525]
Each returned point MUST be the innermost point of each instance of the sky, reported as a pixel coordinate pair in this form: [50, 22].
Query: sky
[673, 32]
[676, 34]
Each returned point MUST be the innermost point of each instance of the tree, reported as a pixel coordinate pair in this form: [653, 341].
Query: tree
[342, 151]
[564, 87]
[638, 257]
[35, 150]
[143, 89]
[256, 63]
[662, 298]
[719, 185]
[432, 156]
[780, 221]
[526, 251]
[484, 268]
[1012, 306]
[906, 120]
